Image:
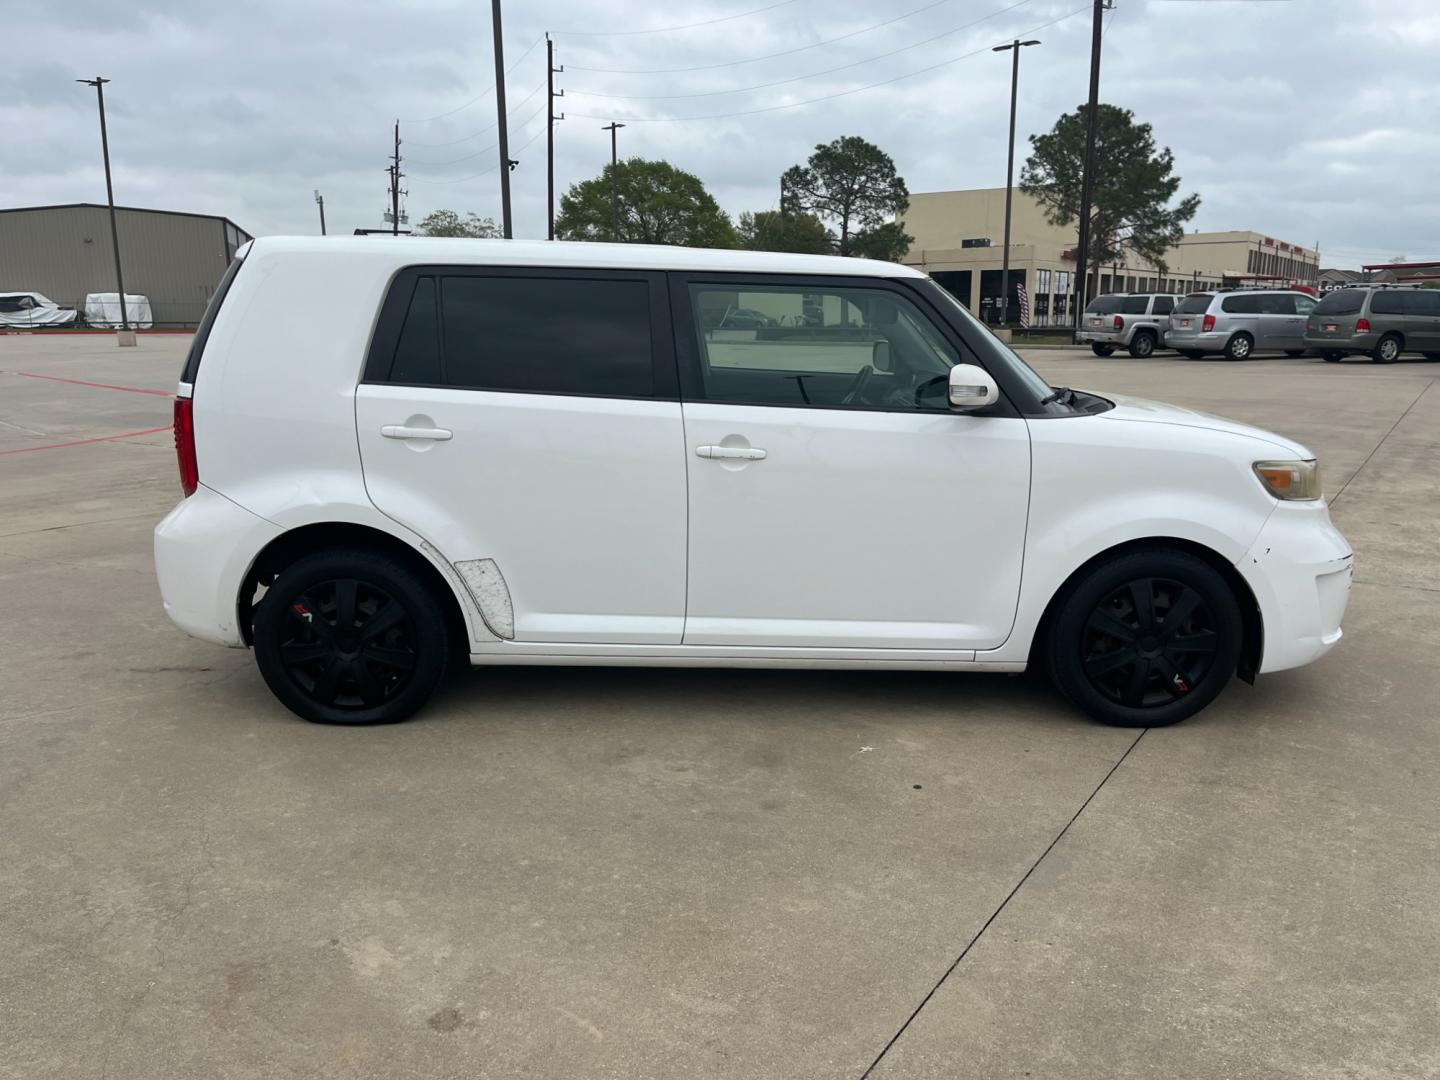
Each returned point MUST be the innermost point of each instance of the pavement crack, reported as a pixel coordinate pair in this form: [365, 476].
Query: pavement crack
[1383, 439]
[1008, 897]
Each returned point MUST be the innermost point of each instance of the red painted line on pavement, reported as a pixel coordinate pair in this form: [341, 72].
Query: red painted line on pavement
[86, 442]
[84, 382]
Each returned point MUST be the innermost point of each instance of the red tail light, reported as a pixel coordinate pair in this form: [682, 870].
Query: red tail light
[1362, 326]
[1119, 323]
[1207, 324]
[185, 445]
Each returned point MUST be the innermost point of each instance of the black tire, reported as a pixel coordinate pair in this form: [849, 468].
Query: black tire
[1240, 347]
[1122, 666]
[383, 670]
[1387, 349]
[1191, 354]
[1432, 356]
[1294, 352]
[1101, 350]
[1142, 344]
[1333, 357]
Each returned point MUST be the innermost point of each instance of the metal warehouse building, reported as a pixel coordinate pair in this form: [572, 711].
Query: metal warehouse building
[64, 252]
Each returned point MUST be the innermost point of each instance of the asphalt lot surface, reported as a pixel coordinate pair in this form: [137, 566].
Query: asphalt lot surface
[661, 873]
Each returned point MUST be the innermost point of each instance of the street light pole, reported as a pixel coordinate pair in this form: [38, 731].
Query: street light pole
[505, 166]
[1087, 179]
[1014, 48]
[613, 127]
[99, 83]
[320, 202]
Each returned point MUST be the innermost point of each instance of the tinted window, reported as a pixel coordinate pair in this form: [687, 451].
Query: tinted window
[1104, 305]
[1134, 305]
[1342, 302]
[1425, 302]
[551, 335]
[1387, 302]
[1195, 305]
[417, 353]
[1164, 305]
[1276, 303]
[202, 332]
[826, 347]
[1245, 304]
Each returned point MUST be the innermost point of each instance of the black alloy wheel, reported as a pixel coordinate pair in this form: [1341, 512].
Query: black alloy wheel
[351, 636]
[1149, 643]
[1146, 638]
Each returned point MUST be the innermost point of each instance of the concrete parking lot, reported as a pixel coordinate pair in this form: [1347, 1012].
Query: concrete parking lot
[660, 873]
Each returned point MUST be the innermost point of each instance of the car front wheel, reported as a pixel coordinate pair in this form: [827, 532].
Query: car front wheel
[350, 636]
[1146, 639]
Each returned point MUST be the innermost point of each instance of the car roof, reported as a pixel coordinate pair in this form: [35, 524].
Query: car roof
[420, 250]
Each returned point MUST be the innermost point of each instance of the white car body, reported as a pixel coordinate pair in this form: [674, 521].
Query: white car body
[599, 529]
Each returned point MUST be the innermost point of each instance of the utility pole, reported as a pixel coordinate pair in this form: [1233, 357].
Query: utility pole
[506, 225]
[1087, 182]
[1014, 48]
[126, 338]
[320, 202]
[550, 72]
[395, 192]
[613, 127]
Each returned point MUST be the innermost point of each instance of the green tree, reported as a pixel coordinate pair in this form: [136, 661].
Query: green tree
[769, 230]
[449, 223]
[853, 183]
[1134, 184]
[658, 204]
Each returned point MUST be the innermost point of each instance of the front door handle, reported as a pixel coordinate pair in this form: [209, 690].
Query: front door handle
[400, 431]
[744, 453]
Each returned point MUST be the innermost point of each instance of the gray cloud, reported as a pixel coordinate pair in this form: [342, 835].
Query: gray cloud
[1306, 119]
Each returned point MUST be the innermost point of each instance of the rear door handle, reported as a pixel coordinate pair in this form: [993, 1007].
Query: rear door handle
[745, 453]
[400, 431]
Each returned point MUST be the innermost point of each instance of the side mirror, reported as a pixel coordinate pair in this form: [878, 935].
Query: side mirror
[971, 388]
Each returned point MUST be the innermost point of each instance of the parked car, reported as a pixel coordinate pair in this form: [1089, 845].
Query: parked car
[1240, 322]
[1134, 321]
[103, 309]
[538, 453]
[1379, 323]
[23, 308]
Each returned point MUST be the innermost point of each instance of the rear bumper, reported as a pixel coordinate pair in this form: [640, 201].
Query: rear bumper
[203, 549]
[1211, 342]
[1117, 338]
[1299, 570]
[1347, 343]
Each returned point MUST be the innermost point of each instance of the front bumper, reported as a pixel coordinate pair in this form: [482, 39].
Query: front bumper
[203, 549]
[1299, 569]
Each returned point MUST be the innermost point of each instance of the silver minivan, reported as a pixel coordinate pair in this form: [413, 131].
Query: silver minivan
[1240, 322]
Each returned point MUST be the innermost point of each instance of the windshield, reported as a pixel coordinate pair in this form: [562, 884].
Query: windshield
[1103, 305]
[992, 349]
[1194, 305]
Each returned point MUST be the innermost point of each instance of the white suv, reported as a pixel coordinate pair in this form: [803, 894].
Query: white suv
[399, 453]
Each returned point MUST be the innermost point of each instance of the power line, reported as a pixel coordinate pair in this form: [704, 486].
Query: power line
[488, 127]
[671, 29]
[825, 97]
[488, 149]
[767, 56]
[478, 97]
[811, 75]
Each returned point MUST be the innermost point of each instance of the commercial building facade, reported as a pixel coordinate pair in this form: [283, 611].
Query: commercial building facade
[959, 237]
[65, 252]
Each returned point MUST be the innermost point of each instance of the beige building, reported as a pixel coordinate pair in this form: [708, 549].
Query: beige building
[959, 237]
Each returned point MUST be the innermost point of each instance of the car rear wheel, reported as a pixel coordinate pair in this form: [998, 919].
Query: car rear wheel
[1333, 357]
[1101, 350]
[1146, 639]
[1142, 344]
[1239, 347]
[349, 636]
[1387, 351]
[1294, 352]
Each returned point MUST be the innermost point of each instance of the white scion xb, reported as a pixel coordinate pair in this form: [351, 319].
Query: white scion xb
[397, 453]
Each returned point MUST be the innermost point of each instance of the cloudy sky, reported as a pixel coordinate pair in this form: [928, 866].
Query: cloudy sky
[1305, 119]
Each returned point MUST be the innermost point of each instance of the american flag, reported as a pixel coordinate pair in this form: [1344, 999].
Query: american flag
[1024, 307]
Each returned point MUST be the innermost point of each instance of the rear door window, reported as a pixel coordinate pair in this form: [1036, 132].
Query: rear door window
[1134, 305]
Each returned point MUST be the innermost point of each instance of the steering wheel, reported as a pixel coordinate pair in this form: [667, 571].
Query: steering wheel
[862, 380]
[922, 387]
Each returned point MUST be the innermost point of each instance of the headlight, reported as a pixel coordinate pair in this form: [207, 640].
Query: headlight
[1291, 480]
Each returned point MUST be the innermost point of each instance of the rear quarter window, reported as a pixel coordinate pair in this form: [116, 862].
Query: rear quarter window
[1241, 305]
[1103, 305]
[202, 332]
[1387, 302]
[1134, 305]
